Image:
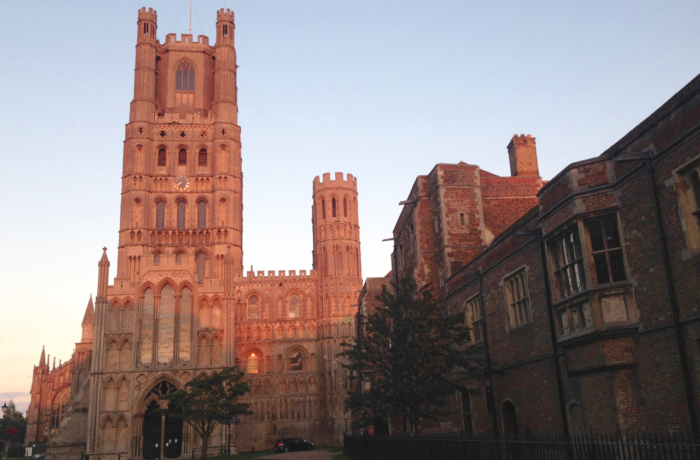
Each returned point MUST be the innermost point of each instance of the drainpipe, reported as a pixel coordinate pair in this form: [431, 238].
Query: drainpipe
[489, 370]
[552, 329]
[646, 157]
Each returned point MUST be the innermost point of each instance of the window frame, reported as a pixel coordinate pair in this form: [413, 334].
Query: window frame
[521, 304]
[688, 201]
[472, 306]
[595, 255]
[557, 272]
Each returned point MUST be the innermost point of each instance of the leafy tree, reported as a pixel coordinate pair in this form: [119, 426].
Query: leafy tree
[207, 399]
[14, 425]
[414, 353]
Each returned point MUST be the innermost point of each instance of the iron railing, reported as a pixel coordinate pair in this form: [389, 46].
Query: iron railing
[524, 446]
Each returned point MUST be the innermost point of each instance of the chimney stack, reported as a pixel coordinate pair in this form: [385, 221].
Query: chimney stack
[522, 152]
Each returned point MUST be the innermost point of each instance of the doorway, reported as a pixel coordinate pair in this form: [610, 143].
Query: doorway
[162, 434]
[510, 420]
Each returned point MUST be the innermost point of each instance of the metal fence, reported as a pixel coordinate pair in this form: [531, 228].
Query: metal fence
[524, 446]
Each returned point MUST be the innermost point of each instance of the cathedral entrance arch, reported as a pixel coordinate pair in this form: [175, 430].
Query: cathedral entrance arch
[162, 434]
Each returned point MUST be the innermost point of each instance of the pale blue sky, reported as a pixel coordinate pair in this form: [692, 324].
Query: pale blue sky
[380, 89]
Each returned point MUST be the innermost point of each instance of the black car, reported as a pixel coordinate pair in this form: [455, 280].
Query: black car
[292, 444]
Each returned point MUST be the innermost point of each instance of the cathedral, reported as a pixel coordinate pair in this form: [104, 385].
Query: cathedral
[180, 303]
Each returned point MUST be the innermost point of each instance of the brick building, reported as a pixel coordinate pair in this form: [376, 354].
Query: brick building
[583, 295]
[180, 303]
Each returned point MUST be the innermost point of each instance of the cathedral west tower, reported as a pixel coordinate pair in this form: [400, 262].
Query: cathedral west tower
[180, 303]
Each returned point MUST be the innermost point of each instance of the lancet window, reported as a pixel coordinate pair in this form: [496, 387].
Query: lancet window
[185, 76]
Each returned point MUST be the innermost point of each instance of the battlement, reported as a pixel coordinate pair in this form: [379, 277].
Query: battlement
[187, 39]
[148, 14]
[338, 181]
[280, 274]
[522, 139]
[224, 15]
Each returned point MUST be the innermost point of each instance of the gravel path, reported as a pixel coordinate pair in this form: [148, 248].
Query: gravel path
[308, 455]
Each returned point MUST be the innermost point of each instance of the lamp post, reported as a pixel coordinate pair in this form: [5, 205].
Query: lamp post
[2, 427]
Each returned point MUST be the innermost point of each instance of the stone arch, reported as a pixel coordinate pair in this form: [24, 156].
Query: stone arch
[255, 366]
[287, 308]
[296, 358]
[246, 305]
[202, 264]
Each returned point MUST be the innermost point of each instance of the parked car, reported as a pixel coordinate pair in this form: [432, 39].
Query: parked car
[292, 444]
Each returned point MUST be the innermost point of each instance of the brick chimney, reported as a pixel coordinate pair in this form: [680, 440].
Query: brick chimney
[522, 152]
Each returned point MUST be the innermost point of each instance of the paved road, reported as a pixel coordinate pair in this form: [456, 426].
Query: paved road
[310, 455]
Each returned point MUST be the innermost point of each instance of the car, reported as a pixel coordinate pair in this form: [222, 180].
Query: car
[292, 444]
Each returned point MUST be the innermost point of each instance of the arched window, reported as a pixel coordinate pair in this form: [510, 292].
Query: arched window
[345, 207]
[178, 258]
[182, 157]
[160, 215]
[252, 365]
[333, 207]
[185, 77]
[180, 214]
[202, 157]
[156, 259]
[323, 208]
[253, 308]
[295, 361]
[294, 306]
[201, 266]
[161, 157]
[202, 214]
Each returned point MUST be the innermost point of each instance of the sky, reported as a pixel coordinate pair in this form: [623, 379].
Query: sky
[383, 90]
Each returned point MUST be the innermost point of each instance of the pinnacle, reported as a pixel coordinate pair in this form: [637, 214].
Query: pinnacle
[104, 258]
[89, 318]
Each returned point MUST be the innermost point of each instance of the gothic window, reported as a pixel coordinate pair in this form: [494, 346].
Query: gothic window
[160, 215]
[294, 306]
[185, 77]
[295, 361]
[202, 214]
[166, 324]
[137, 213]
[517, 299]
[606, 249]
[201, 266]
[323, 208]
[345, 207]
[185, 325]
[252, 365]
[202, 157]
[182, 157]
[474, 319]
[161, 157]
[225, 30]
[333, 207]
[223, 212]
[147, 326]
[253, 308]
[178, 258]
[156, 259]
[565, 249]
[180, 214]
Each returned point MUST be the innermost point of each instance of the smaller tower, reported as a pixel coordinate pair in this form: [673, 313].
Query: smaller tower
[336, 242]
[522, 152]
[144, 103]
[225, 100]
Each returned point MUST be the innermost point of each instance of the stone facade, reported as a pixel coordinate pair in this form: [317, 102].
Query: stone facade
[180, 303]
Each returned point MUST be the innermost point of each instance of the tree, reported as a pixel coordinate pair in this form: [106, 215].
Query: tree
[207, 399]
[414, 353]
[14, 426]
